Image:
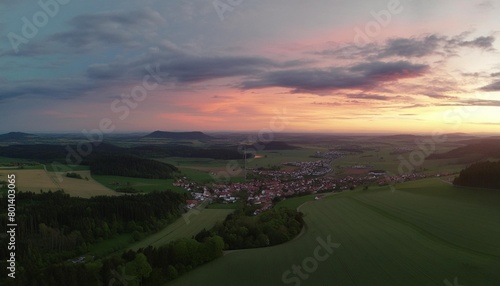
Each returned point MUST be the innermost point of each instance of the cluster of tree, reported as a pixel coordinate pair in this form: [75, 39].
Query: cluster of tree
[149, 266]
[74, 175]
[130, 166]
[176, 150]
[37, 152]
[269, 228]
[127, 190]
[178, 257]
[53, 227]
[481, 174]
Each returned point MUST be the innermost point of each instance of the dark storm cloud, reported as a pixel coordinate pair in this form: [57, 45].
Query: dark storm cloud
[361, 76]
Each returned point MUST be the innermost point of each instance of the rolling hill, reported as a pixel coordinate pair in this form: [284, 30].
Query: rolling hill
[480, 148]
[17, 136]
[194, 135]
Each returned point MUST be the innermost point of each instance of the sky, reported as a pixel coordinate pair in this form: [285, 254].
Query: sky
[348, 66]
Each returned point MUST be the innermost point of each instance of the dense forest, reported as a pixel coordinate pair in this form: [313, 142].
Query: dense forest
[47, 153]
[53, 227]
[130, 166]
[482, 175]
[177, 150]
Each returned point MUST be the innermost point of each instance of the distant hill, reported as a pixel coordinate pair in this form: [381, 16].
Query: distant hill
[16, 136]
[482, 148]
[51, 152]
[400, 137]
[194, 135]
[275, 145]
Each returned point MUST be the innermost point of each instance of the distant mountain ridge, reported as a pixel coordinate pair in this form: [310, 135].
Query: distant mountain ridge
[16, 136]
[193, 135]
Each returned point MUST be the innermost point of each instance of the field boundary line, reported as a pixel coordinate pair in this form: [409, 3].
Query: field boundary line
[52, 178]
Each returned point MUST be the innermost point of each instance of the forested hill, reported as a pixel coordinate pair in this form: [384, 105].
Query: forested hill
[482, 175]
[130, 166]
[482, 147]
[16, 136]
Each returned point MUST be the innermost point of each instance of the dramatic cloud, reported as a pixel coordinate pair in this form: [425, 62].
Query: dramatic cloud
[495, 86]
[100, 30]
[186, 69]
[62, 89]
[411, 47]
[429, 56]
[362, 76]
[369, 96]
[485, 43]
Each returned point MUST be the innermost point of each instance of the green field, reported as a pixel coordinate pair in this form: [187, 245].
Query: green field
[231, 206]
[424, 233]
[144, 185]
[188, 225]
[111, 245]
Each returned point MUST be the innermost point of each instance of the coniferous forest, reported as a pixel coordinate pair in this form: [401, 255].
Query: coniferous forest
[481, 174]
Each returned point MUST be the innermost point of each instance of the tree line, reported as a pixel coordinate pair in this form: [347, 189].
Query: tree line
[481, 174]
[270, 228]
[53, 227]
[130, 166]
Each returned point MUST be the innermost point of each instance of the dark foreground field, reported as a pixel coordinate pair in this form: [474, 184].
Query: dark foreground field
[423, 233]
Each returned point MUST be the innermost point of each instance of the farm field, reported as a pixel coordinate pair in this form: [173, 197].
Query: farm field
[82, 187]
[384, 160]
[424, 233]
[34, 180]
[145, 185]
[190, 224]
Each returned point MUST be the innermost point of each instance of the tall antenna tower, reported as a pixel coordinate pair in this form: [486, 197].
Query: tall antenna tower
[245, 162]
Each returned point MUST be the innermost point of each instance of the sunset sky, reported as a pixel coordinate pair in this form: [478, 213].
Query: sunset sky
[324, 65]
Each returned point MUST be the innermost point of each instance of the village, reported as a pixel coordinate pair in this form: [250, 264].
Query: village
[274, 185]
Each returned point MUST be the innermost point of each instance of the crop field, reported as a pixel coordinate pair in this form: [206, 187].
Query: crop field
[82, 187]
[277, 158]
[423, 233]
[385, 160]
[34, 180]
[144, 185]
[31, 180]
[188, 225]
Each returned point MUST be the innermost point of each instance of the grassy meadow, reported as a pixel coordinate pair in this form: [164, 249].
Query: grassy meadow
[424, 233]
[190, 224]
